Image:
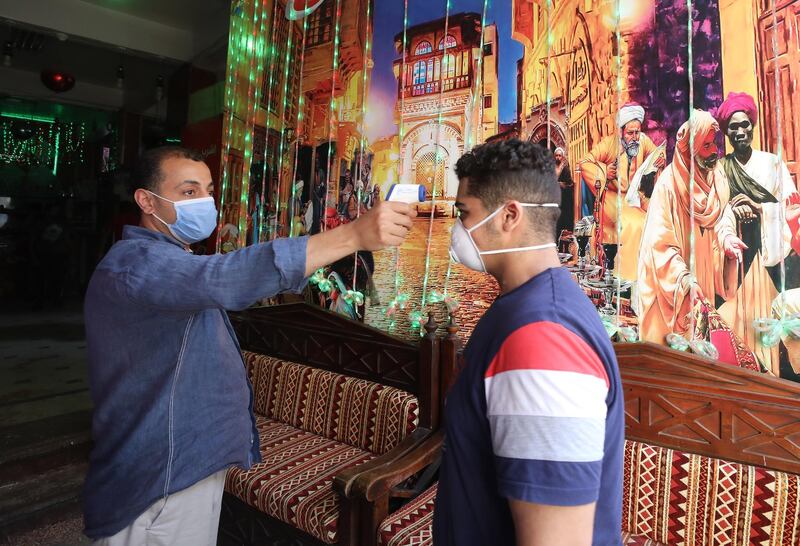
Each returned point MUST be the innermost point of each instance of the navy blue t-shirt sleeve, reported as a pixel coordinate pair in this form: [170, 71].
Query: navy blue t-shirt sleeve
[546, 394]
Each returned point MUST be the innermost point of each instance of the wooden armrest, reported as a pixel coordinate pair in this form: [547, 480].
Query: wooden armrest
[343, 482]
[377, 481]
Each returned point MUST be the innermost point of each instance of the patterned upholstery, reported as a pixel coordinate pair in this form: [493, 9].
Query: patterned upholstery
[685, 499]
[293, 483]
[637, 540]
[360, 413]
[669, 497]
[412, 525]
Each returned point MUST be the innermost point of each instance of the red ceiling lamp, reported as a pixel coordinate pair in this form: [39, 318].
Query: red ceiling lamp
[298, 9]
[57, 81]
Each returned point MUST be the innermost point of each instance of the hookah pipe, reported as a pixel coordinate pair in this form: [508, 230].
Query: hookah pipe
[600, 191]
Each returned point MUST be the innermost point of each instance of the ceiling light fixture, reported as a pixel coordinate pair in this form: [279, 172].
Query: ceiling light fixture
[8, 53]
[159, 88]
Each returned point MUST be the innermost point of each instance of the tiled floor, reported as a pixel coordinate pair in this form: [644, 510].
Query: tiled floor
[64, 533]
[42, 366]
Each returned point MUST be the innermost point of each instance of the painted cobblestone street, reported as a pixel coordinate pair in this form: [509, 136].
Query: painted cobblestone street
[473, 291]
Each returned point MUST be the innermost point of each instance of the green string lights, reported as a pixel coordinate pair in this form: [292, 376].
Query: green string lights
[692, 224]
[333, 119]
[234, 52]
[779, 143]
[300, 105]
[254, 49]
[45, 142]
[281, 134]
[548, 66]
[363, 142]
[620, 248]
[477, 105]
[771, 331]
[450, 303]
[436, 159]
[265, 183]
[399, 301]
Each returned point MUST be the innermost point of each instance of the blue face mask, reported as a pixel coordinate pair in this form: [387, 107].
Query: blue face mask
[195, 219]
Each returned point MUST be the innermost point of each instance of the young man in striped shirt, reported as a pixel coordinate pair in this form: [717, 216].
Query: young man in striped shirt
[535, 422]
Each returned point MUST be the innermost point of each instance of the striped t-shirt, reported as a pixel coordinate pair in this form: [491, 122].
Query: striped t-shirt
[536, 415]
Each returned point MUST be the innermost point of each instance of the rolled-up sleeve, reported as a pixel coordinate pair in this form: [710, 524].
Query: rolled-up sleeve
[290, 262]
[166, 277]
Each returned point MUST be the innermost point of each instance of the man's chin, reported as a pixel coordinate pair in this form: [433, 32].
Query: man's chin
[741, 147]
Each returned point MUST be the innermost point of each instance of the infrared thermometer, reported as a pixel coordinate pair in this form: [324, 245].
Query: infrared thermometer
[407, 193]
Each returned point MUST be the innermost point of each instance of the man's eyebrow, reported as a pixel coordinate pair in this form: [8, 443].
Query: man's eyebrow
[191, 182]
[459, 204]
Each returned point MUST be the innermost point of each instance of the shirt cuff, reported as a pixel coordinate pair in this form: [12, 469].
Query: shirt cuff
[552, 496]
[290, 261]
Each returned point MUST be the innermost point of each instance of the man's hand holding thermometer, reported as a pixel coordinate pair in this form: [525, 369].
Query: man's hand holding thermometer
[406, 193]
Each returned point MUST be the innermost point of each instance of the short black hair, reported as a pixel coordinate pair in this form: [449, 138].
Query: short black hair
[497, 172]
[147, 174]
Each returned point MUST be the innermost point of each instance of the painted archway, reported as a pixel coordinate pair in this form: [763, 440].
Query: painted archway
[557, 138]
[423, 139]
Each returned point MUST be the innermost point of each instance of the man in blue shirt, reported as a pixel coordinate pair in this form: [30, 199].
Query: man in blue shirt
[172, 405]
[534, 423]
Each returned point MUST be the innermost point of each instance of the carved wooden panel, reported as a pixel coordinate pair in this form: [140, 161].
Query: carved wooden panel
[686, 402]
[311, 335]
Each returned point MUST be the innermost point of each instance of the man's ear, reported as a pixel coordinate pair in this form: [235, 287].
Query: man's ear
[145, 201]
[512, 216]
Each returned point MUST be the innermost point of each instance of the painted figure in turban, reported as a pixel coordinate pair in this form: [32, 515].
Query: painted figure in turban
[667, 290]
[613, 163]
[566, 221]
[760, 188]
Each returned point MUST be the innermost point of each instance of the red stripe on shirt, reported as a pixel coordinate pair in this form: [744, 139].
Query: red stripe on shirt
[547, 346]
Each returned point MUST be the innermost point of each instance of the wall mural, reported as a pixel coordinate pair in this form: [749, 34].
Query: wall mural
[674, 131]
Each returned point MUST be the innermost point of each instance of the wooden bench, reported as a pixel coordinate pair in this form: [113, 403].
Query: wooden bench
[712, 456]
[333, 399]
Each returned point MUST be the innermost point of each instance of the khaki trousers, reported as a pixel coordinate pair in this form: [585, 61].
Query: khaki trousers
[186, 518]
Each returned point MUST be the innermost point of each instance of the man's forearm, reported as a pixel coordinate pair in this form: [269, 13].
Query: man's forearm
[331, 245]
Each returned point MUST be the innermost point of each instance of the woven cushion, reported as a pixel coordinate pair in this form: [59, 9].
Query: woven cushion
[294, 481]
[679, 498]
[412, 525]
[360, 413]
[638, 540]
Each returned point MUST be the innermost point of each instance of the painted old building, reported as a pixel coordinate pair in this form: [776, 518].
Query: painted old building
[278, 116]
[441, 100]
[575, 74]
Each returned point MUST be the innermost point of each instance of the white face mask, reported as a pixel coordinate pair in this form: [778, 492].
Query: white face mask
[464, 251]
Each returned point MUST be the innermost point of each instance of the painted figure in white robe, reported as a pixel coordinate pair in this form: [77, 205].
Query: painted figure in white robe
[760, 186]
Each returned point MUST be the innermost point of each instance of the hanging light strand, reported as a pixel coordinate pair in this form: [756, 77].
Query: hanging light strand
[394, 304]
[281, 133]
[772, 331]
[620, 247]
[442, 78]
[265, 183]
[300, 123]
[549, 9]
[779, 161]
[475, 122]
[332, 124]
[451, 304]
[692, 242]
[237, 14]
[362, 145]
[254, 43]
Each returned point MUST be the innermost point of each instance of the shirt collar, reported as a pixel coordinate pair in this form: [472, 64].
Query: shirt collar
[138, 232]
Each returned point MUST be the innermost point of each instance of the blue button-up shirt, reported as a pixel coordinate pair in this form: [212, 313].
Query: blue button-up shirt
[172, 404]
